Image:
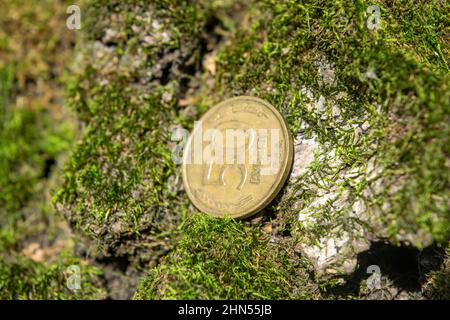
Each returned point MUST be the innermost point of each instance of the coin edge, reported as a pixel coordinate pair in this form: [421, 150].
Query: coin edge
[279, 182]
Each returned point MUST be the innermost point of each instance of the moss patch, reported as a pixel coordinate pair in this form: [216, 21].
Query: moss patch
[226, 259]
[121, 187]
[370, 108]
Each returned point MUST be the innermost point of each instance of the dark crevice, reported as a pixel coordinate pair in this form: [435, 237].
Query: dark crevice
[206, 44]
[166, 73]
[188, 74]
[48, 166]
[399, 264]
[119, 276]
[120, 284]
[213, 37]
[405, 266]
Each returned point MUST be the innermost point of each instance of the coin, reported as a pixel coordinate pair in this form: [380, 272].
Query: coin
[237, 158]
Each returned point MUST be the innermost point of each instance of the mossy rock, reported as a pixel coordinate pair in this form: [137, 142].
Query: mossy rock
[369, 111]
[369, 116]
[120, 184]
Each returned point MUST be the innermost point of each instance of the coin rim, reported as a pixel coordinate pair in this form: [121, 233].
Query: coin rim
[278, 182]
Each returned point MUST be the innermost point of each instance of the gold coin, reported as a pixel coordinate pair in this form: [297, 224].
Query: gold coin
[237, 158]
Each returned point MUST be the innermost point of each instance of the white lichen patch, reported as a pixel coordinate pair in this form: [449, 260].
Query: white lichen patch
[304, 150]
[334, 193]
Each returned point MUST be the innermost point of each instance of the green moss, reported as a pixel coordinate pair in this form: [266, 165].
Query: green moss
[364, 96]
[31, 140]
[116, 179]
[21, 278]
[35, 133]
[404, 103]
[225, 259]
[121, 186]
[437, 286]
